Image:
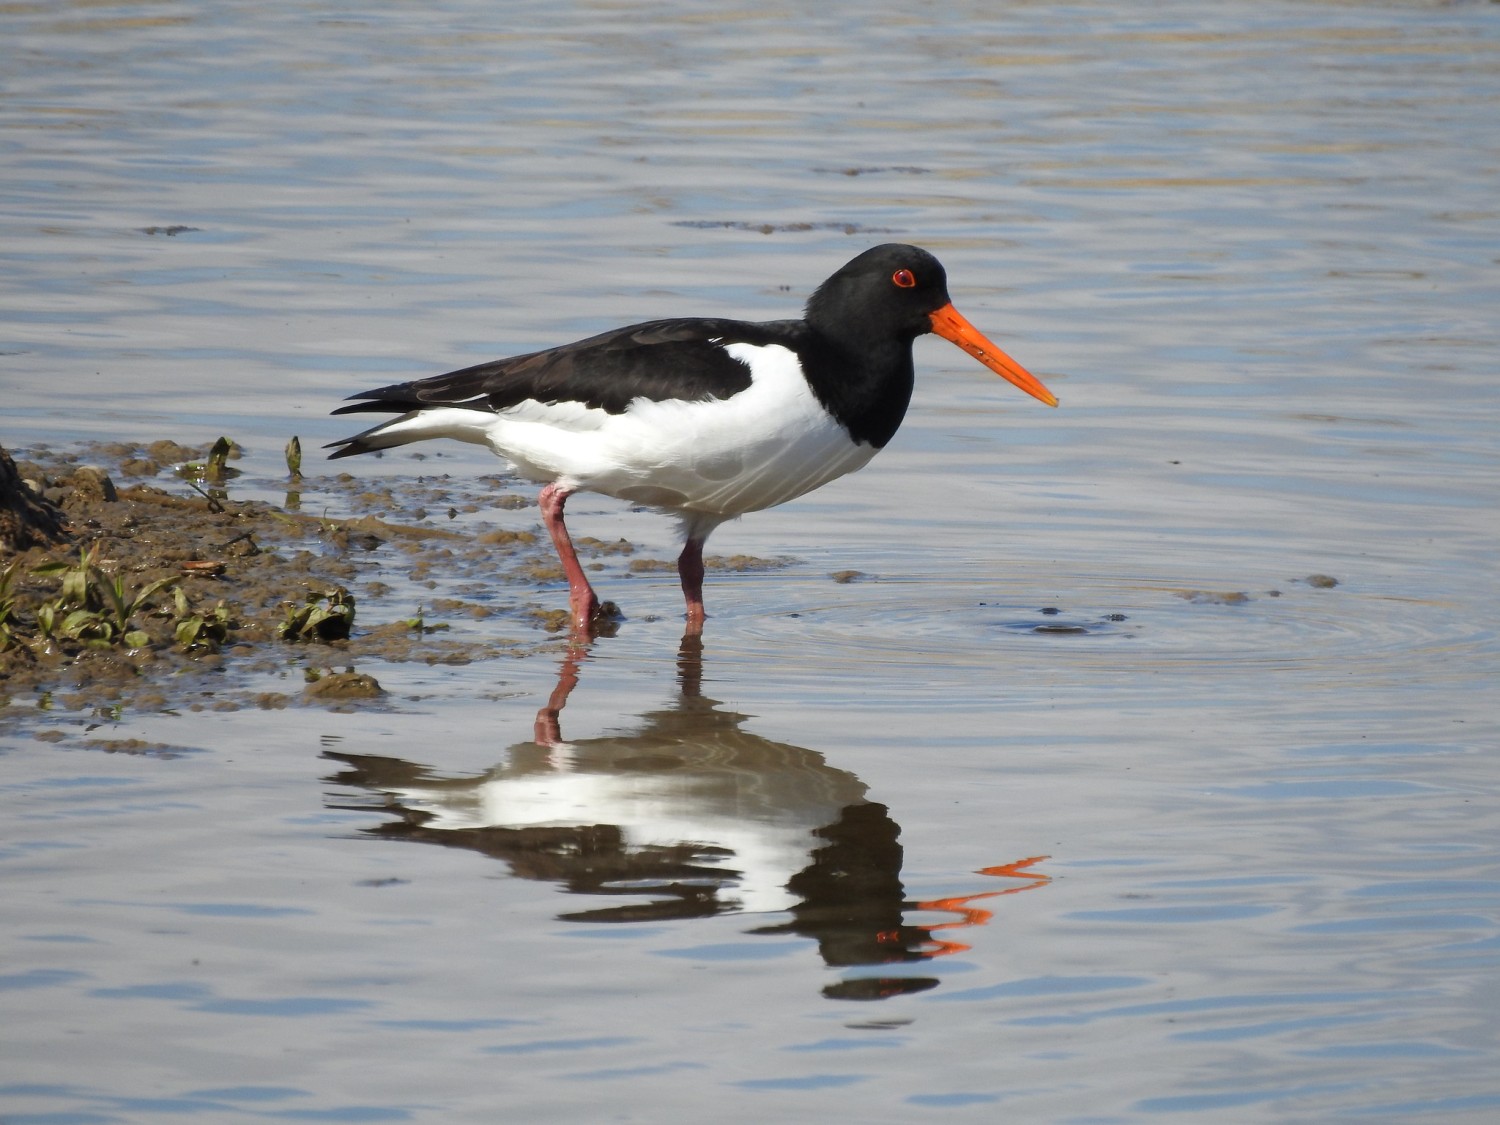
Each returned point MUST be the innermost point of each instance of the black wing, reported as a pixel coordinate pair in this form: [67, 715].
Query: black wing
[662, 359]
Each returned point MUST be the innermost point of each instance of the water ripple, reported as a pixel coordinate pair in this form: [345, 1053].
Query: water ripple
[1329, 634]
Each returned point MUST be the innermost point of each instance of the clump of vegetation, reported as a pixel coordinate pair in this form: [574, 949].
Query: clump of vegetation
[199, 630]
[95, 609]
[8, 605]
[213, 469]
[324, 616]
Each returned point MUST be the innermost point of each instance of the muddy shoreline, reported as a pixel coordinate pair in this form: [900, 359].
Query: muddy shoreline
[236, 585]
[244, 569]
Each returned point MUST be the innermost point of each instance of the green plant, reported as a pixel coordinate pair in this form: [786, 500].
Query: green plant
[94, 608]
[8, 604]
[199, 629]
[213, 469]
[325, 616]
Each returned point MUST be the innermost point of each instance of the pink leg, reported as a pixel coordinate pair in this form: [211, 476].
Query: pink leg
[690, 570]
[581, 597]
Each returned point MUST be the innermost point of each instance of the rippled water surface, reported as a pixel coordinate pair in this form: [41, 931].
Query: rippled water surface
[1088, 799]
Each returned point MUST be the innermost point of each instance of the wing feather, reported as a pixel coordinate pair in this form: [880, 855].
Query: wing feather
[657, 360]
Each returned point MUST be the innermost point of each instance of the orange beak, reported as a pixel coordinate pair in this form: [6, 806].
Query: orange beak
[950, 324]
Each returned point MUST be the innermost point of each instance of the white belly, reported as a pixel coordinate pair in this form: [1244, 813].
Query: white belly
[764, 446]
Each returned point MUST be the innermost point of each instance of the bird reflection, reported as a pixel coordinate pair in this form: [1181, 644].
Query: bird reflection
[687, 816]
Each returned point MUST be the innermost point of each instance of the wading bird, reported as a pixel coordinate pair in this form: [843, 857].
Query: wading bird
[703, 418]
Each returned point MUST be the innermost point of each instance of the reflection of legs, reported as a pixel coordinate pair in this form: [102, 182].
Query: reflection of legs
[690, 570]
[690, 664]
[547, 730]
[581, 597]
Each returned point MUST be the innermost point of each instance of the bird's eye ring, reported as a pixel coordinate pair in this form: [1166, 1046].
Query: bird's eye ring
[904, 279]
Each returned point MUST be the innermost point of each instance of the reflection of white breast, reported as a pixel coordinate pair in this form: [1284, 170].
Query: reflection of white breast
[764, 820]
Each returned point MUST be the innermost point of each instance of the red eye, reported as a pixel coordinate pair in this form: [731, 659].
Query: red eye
[904, 278]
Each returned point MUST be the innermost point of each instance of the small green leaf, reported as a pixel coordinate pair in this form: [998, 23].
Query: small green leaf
[217, 456]
[75, 585]
[79, 622]
[114, 590]
[152, 588]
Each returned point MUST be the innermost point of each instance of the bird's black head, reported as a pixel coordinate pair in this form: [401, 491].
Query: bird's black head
[888, 292]
[868, 313]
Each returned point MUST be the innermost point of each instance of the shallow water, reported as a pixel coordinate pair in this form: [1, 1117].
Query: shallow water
[1082, 803]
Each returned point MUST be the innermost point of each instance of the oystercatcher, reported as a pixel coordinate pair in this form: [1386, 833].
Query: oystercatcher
[705, 419]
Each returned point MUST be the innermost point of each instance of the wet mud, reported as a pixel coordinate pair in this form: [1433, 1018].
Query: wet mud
[206, 584]
[211, 589]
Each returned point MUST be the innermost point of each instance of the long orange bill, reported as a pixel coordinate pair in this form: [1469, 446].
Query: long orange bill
[950, 324]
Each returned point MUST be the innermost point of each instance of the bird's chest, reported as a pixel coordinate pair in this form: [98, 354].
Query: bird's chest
[767, 444]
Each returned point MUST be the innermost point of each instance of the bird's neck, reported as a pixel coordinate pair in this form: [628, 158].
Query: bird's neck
[865, 383]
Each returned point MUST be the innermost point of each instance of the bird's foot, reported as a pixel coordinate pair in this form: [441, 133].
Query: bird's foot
[593, 618]
[606, 620]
